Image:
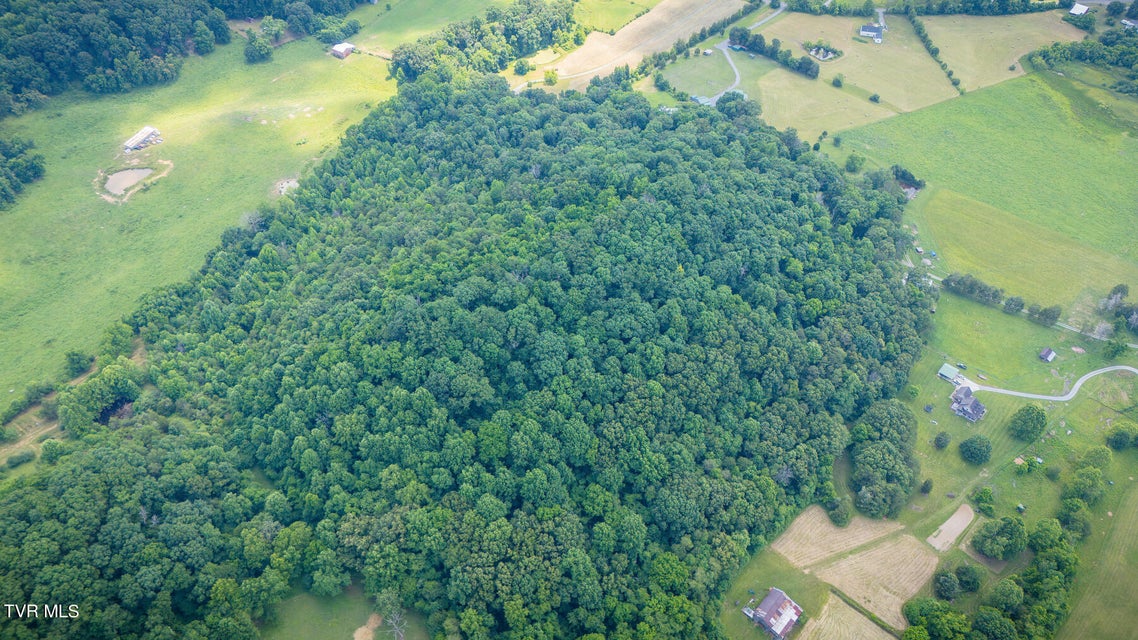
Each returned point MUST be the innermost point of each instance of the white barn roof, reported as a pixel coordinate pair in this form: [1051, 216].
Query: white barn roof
[1079, 9]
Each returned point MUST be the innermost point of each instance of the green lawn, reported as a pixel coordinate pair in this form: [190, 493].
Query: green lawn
[768, 569]
[610, 15]
[701, 75]
[1042, 166]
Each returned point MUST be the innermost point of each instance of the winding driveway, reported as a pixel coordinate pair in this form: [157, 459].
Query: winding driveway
[722, 46]
[1063, 398]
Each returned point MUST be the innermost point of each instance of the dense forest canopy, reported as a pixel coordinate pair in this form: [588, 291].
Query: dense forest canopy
[535, 366]
[46, 46]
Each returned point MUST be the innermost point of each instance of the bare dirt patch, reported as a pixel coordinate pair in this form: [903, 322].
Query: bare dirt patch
[884, 577]
[655, 31]
[948, 532]
[839, 621]
[281, 187]
[812, 538]
[367, 632]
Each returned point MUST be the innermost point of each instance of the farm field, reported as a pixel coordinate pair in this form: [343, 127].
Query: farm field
[610, 15]
[1023, 258]
[980, 49]
[839, 621]
[382, 30]
[655, 31]
[72, 262]
[1042, 152]
[882, 578]
[812, 538]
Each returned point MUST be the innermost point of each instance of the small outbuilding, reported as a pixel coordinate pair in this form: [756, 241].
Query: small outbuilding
[1129, 24]
[875, 31]
[343, 50]
[1047, 355]
[1079, 9]
[949, 372]
[777, 613]
[145, 137]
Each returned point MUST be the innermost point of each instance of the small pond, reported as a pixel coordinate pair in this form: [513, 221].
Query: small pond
[119, 181]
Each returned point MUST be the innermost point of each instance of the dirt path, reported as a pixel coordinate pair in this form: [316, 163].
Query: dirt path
[654, 31]
[367, 632]
[948, 532]
[1063, 398]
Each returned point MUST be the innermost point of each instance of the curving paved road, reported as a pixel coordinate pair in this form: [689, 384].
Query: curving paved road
[1063, 398]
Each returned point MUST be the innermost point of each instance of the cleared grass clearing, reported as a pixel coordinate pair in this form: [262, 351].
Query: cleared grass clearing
[382, 30]
[701, 75]
[72, 262]
[610, 15]
[1023, 258]
[839, 621]
[882, 578]
[979, 49]
[308, 617]
[898, 69]
[655, 31]
[812, 538]
[1034, 147]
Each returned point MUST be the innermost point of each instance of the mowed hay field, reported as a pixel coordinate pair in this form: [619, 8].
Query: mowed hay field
[979, 49]
[1039, 151]
[610, 15]
[812, 538]
[882, 578]
[839, 621]
[72, 262]
[655, 31]
[899, 69]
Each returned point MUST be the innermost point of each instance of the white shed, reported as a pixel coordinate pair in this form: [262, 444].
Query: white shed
[343, 50]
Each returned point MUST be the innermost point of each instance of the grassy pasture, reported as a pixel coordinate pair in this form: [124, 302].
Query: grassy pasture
[610, 15]
[72, 262]
[382, 30]
[811, 106]
[1034, 147]
[979, 49]
[898, 69]
[1024, 258]
[1103, 602]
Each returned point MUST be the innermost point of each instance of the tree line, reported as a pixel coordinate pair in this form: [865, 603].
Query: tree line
[757, 43]
[19, 166]
[934, 51]
[536, 366]
[977, 7]
[973, 288]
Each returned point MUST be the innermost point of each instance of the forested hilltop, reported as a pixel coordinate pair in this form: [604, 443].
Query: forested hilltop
[534, 366]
